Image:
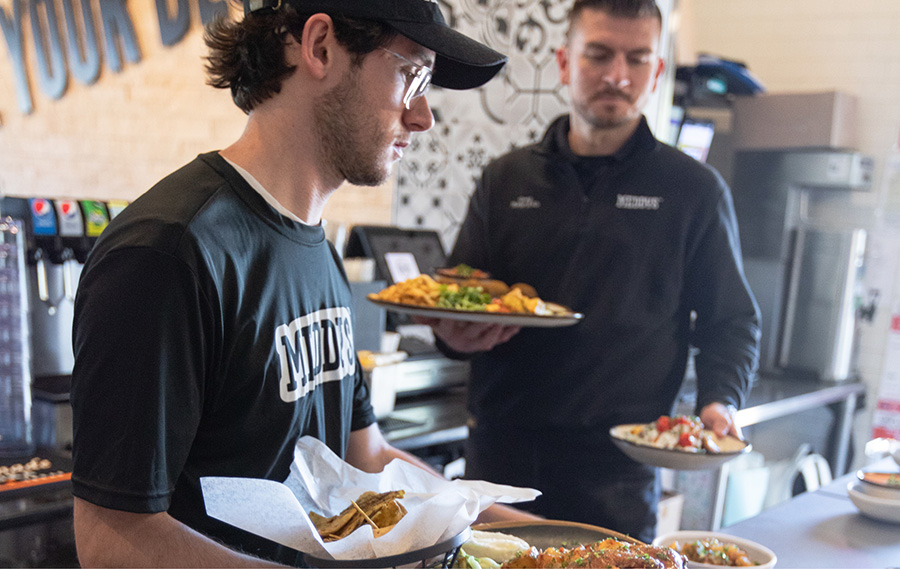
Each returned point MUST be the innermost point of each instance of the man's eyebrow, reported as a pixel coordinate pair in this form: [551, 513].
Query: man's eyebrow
[422, 57]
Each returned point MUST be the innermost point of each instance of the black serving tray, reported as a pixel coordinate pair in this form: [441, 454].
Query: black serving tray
[441, 554]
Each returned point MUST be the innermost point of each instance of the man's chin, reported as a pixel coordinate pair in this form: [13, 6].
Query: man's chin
[370, 178]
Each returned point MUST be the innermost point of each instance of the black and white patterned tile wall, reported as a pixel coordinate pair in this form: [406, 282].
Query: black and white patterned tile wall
[439, 169]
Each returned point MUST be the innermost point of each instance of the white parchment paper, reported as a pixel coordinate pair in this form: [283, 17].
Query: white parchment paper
[320, 481]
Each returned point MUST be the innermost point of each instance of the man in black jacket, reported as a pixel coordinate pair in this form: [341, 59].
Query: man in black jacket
[642, 239]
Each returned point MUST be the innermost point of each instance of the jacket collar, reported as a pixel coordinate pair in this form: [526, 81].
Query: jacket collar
[556, 141]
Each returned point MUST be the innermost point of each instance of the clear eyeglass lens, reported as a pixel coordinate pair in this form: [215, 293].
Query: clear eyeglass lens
[419, 80]
[418, 86]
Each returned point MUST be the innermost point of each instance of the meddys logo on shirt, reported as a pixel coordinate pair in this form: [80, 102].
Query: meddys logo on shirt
[314, 349]
[626, 201]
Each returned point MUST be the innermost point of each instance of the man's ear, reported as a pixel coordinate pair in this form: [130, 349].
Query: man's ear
[318, 45]
[660, 67]
[562, 61]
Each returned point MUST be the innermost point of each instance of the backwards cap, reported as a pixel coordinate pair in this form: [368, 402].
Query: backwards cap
[460, 63]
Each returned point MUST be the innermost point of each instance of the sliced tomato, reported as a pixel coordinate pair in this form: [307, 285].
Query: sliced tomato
[687, 440]
[663, 424]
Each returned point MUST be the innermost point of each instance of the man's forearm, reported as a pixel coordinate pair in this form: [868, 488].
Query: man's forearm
[111, 538]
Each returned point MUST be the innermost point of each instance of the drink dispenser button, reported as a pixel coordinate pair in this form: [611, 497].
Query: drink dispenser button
[43, 220]
[115, 207]
[46, 241]
[71, 232]
[95, 219]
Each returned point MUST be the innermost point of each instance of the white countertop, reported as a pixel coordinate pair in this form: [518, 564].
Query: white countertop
[823, 529]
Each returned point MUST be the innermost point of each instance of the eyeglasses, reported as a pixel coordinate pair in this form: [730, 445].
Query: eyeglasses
[417, 81]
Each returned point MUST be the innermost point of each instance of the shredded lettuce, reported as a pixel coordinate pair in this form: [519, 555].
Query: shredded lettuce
[466, 561]
[466, 298]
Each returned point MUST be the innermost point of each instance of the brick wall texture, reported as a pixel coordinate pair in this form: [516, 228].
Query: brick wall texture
[117, 137]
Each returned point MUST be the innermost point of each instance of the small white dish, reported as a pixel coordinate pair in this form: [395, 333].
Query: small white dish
[896, 454]
[883, 509]
[762, 556]
[677, 459]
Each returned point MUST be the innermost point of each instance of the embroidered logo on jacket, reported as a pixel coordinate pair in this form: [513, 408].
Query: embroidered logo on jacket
[626, 201]
[524, 202]
[314, 349]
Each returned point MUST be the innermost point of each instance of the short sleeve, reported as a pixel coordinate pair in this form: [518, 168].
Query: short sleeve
[137, 385]
[363, 413]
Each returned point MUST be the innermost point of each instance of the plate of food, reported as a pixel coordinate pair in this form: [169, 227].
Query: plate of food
[462, 271]
[706, 549]
[678, 442]
[423, 296]
[554, 543]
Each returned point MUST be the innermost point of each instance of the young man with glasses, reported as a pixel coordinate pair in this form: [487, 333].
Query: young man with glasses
[212, 321]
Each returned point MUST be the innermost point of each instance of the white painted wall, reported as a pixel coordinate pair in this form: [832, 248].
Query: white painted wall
[814, 46]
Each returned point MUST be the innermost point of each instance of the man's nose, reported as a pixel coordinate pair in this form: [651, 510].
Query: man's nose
[418, 116]
[616, 73]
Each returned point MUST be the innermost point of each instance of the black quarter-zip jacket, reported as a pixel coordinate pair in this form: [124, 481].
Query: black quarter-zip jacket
[649, 241]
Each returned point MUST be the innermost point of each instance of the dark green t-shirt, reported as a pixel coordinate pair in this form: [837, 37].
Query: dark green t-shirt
[210, 333]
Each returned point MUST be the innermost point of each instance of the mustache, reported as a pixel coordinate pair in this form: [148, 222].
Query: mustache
[612, 92]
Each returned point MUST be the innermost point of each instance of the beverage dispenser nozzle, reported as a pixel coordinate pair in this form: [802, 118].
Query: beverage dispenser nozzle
[41, 277]
[70, 265]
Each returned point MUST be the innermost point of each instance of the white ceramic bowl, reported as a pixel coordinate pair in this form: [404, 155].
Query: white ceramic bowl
[674, 458]
[886, 510]
[763, 556]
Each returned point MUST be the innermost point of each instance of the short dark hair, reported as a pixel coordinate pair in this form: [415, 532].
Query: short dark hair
[617, 8]
[247, 56]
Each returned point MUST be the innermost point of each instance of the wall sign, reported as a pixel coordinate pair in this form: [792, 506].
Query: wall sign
[78, 54]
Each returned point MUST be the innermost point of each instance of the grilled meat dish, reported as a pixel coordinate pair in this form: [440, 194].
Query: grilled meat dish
[608, 553]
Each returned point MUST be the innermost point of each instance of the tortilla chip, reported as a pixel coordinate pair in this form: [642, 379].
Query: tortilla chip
[382, 510]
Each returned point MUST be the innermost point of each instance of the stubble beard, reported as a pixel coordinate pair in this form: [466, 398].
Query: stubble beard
[603, 120]
[604, 116]
[350, 139]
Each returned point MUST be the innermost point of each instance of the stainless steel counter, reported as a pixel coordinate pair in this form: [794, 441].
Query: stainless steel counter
[427, 420]
[823, 529]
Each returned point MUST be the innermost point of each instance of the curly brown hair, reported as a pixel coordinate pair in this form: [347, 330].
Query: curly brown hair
[247, 56]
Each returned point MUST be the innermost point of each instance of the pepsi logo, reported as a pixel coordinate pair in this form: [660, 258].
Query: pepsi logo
[40, 207]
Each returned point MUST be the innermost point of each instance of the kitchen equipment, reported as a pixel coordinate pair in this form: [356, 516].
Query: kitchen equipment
[379, 242]
[426, 370]
[16, 436]
[804, 271]
[369, 320]
[57, 236]
[382, 391]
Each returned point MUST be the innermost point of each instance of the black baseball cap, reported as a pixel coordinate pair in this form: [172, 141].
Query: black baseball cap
[460, 63]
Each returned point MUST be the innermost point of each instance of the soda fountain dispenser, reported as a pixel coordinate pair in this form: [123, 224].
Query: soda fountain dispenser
[58, 235]
[16, 435]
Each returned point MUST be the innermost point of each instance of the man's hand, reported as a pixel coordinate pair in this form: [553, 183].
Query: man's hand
[469, 337]
[720, 419]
